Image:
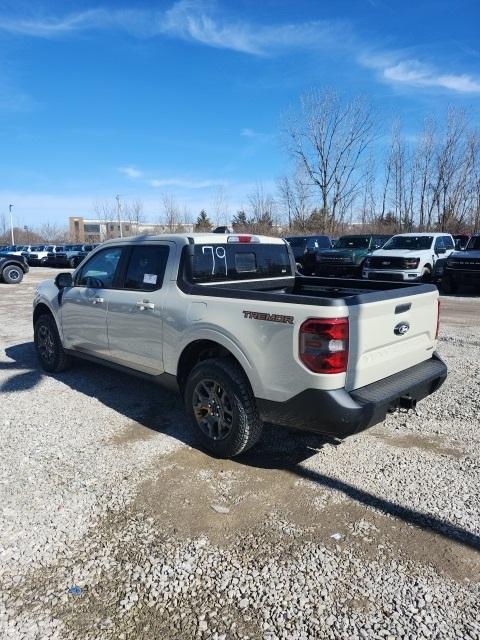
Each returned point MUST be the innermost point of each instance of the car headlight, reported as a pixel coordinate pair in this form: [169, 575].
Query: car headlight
[411, 263]
[367, 262]
[450, 263]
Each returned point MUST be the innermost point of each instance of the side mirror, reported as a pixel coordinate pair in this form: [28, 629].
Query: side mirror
[440, 250]
[63, 281]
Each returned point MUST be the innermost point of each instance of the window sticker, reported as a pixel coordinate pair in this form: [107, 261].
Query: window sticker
[150, 278]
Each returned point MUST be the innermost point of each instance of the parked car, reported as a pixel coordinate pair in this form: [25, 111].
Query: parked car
[80, 257]
[461, 241]
[462, 267]
[346, 257]
[408, 256]
[305, 248]
[16, 249]
[65, 255]
[38, 254]
[12, 268]
[227, 321]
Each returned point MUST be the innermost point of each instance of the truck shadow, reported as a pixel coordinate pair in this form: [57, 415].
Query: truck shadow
[162, 411]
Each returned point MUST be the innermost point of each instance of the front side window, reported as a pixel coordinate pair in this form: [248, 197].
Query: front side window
[99, 271]
[146, 267]
[439, 244]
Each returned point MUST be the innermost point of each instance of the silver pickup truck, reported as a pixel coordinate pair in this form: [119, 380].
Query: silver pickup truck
[228, 322]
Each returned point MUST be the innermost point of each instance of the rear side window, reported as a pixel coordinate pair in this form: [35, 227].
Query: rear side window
[99, 272]
[146, 267]
[220, 262]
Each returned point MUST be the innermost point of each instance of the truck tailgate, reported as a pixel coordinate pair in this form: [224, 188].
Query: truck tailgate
[389, 336]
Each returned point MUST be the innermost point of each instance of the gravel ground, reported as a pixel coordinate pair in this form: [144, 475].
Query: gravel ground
[114, 525]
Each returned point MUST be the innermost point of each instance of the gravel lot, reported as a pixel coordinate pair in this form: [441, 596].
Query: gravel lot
[114, 525]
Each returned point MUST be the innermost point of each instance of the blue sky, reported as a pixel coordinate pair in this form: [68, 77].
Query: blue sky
[187, 97]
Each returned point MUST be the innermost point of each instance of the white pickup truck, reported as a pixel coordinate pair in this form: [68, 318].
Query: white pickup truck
[227, 321]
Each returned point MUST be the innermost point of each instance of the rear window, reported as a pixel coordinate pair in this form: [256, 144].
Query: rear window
[219, 262]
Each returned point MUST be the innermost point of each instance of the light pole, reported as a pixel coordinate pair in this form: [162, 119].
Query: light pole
[117, 198]
[10, 207]
[25, 228]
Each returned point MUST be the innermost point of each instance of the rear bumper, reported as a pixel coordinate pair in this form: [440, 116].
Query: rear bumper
[340, 413]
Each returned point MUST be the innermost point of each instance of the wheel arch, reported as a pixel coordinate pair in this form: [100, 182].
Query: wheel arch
[198, 350]
[13, 263]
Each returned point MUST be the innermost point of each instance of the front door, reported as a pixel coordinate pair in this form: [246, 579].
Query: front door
[135, 310]
[84, 306]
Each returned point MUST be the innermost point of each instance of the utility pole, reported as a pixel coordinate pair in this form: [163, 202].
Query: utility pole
[10, 207]
[117, 198]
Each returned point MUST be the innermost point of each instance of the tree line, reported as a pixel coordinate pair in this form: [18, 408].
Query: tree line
[344, 169]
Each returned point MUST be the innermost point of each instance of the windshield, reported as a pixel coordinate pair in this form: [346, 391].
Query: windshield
[411, 243]
[296, 242]
[353, 242]
[474, 244]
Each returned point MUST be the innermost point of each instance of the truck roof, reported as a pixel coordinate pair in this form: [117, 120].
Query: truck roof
[196, 238]
[417, 234]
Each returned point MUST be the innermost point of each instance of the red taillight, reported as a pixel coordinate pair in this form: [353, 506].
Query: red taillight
[438, 319]
[243, 238]
[324, 344]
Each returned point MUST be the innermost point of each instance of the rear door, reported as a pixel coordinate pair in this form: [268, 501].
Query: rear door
[84, 306]
[389, 336]
[135, 312]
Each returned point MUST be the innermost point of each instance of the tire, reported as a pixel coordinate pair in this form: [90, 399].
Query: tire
[220, 402]
[43, 262]
[48, 345]
[12, 274]
[448, 285]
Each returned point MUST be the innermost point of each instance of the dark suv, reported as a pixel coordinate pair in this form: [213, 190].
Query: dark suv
[346, 257]
[462, 267]
[305, 248]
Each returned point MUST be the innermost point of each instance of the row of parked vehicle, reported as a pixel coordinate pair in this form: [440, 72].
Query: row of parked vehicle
[50, 255]
[443, 258]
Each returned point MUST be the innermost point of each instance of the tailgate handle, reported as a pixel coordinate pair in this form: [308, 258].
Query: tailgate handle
[401, 308]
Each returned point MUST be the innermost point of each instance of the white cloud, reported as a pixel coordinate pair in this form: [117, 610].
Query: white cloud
[185, 183]
[396, 69]
[201, 22]
[130, 172]
[188, 20]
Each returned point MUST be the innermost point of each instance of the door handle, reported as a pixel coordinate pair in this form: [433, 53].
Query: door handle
[144, 304]
[97, 300]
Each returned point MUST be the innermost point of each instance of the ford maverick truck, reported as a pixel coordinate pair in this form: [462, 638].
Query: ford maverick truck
[228, 322]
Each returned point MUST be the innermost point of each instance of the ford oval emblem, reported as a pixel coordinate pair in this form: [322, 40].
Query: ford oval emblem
[401, 328]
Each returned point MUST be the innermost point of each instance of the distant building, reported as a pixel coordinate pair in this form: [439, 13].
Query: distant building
[91, 231]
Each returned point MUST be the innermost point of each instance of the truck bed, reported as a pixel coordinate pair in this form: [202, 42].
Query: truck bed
[310, 290]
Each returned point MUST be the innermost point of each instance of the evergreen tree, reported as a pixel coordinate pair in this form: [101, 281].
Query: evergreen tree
[203, 222]
[240, 220]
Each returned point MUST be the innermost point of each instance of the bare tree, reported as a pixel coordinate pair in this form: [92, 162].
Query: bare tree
[220, 206]
[262, 208]
[327, 139]
[106, 213]
[133, 214]
[295, 198]
[172, 215]
[52, 233]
